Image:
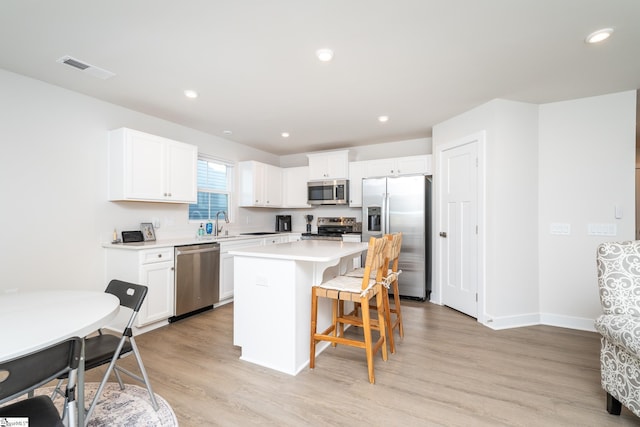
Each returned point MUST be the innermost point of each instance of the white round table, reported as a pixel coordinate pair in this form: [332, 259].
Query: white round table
[36, 319]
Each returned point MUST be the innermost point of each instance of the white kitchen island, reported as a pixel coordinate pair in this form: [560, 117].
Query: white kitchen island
[272, 298]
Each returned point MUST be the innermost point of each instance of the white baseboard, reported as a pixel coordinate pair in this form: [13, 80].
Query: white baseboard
[549, 319]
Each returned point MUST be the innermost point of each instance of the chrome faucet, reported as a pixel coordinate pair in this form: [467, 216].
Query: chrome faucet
[217, 230]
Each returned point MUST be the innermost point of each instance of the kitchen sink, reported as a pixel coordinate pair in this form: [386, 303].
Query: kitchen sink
[214, 238]
[258, 233]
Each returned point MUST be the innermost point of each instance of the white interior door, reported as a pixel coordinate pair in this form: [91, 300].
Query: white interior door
[458, 227]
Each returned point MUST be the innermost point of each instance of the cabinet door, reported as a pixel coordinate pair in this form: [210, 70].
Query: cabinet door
[338, 166]
[260, 184]
[413, 165]
[317, 167]
[331, 165]
[159, 302]
[381, 167]
[294, 187]
[249, 185]
[226, 276]
[272, 186]
[182, 172]
[357, 171]
[144, 167]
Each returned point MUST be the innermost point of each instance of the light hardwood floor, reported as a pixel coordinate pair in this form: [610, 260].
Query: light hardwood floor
[447, 371]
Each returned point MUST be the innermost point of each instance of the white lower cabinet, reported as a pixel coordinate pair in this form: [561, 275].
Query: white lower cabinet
[354, 238]
[294, 237]
[226, 264]
[153, 268]
[226, 260]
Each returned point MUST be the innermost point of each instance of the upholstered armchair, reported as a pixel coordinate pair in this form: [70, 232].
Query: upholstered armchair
[619, 285]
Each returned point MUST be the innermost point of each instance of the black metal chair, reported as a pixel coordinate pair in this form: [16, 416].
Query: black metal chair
[105, 349]
[24, 374]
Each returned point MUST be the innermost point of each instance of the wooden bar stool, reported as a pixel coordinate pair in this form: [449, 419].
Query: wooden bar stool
[359, 290]
[390, 282]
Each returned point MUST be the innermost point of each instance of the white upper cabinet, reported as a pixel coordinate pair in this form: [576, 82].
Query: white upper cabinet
[357, 171]
[294, 187]
[260, 185]
[144, 167]
[399, 166]
[329, 165]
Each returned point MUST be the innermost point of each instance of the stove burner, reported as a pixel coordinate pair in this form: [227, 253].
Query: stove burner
[332, 228]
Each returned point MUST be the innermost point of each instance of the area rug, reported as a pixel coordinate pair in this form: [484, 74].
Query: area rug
[128, 407]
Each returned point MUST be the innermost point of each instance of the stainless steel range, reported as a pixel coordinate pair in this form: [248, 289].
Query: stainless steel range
[332, 228]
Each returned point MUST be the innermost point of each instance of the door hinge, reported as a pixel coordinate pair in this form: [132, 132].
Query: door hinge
[476, 229]
[476, 297]
[476, 162]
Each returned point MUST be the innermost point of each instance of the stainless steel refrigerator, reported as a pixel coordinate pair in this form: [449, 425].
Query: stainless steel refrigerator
[402, 204]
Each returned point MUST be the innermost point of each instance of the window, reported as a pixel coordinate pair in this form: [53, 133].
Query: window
[214, 184]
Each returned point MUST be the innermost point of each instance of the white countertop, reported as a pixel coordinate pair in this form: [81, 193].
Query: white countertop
[166, 243]
[304, 250]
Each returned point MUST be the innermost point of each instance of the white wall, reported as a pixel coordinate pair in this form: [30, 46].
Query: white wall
[510, 162]
[568, 162]
[587, 167]
[53, 175]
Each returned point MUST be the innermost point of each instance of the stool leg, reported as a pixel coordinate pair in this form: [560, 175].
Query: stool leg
[366, 327]
[398, 311]
[386, 317]
[382, 321]
[314, 319]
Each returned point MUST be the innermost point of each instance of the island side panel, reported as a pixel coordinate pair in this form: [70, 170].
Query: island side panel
[264, 311]
[272, 312]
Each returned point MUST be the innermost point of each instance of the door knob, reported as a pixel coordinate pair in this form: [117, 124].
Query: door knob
[443, 234]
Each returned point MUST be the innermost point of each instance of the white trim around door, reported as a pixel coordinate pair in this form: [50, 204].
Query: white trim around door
[477, 144]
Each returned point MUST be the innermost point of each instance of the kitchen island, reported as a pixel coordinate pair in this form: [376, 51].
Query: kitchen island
[272, 298]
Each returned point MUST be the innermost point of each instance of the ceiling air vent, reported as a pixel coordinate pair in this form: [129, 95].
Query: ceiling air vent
[85, 68]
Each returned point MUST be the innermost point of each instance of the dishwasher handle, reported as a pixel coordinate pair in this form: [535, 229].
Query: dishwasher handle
[187, 250]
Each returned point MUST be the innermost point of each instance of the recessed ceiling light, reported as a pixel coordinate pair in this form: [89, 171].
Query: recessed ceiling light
[227, 132]
[383, 119]
[285, 134]
[191, 94]
[598, 36]
[324, 55]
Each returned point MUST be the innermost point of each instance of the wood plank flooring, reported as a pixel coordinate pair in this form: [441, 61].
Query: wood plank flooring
[447, 371]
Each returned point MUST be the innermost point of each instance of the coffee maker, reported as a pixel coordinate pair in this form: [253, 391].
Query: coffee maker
[283, 223]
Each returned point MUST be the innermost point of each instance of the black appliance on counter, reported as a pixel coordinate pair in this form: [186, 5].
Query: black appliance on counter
[283, 223]
[332, 228]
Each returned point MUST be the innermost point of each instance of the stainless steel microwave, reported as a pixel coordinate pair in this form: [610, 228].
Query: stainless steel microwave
[334, 192]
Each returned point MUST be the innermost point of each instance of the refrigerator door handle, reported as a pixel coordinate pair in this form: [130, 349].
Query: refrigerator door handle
[385, 214]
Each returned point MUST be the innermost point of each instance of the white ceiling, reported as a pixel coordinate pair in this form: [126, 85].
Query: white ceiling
[253, 61]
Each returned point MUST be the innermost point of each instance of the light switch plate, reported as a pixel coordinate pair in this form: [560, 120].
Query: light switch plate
[602, 230]
[560, 229]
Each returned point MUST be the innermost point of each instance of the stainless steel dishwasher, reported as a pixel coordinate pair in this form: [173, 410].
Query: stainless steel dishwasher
[197, 274]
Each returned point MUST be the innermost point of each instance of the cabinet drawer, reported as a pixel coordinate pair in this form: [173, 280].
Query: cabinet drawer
[156, 255]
